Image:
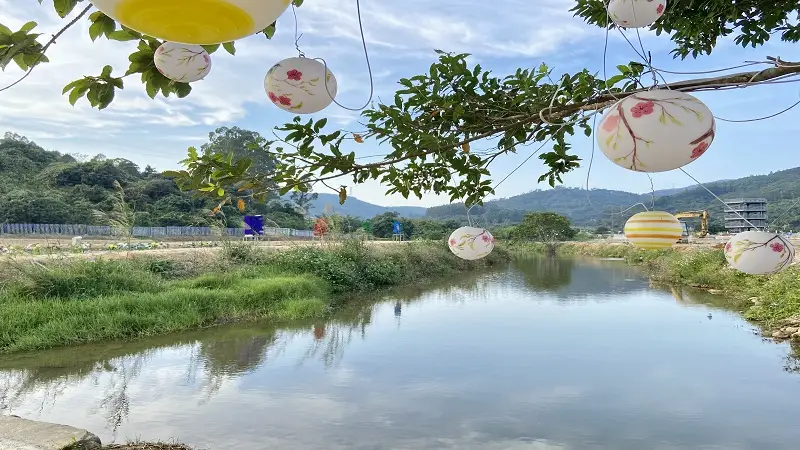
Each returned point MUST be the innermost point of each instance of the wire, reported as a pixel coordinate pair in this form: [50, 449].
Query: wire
[652, 192]
[719, 199]
[657, 72]
[366, 57]
[631, 207]
[796, 202]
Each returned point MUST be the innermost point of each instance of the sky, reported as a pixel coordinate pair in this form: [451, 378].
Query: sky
[401, 36]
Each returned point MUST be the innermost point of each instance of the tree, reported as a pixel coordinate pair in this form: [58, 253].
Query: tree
[320, 228]
[544, 227]
[434, 118]
[302, 200]
[602, 229]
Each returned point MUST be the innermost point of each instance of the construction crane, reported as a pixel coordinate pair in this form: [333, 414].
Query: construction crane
[703, 215]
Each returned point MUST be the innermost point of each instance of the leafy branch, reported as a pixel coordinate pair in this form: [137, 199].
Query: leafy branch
[432, 123]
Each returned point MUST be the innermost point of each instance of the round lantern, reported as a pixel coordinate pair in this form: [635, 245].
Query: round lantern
[181, 62]
[656, 131]
[471, 243]
[759, 252]
[298, 85]
[636, 13]
[201, 22]
[653, 230]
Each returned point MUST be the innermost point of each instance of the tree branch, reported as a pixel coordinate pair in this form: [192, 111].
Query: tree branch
[781, 69]
[46, 46]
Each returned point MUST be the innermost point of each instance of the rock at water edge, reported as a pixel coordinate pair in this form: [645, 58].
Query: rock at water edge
[22, 434]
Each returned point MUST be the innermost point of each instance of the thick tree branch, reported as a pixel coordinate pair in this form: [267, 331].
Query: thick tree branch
[743, 79]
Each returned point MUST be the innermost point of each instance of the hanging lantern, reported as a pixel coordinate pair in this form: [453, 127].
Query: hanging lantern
[300, 85]
[201, 22]
[653, 230]
[471, 243]
[181, 62]
[636, 13]
[656, 131]
[759, 252]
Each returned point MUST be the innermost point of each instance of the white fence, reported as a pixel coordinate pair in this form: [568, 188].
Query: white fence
[151, 232]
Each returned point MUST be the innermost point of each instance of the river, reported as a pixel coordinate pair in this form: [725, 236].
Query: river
[542, 355]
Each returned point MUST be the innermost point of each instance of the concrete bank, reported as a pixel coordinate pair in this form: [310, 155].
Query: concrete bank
[20, 434]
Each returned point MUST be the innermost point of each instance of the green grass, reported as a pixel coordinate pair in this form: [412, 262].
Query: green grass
[777, 296]
[73, 302]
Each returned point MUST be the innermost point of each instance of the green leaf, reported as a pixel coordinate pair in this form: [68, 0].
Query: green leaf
[28, 26]
[269, 31]
[78, 92]
[122, 35]
[95, 30]
[211, 48]
[229, 47]
[64, 7]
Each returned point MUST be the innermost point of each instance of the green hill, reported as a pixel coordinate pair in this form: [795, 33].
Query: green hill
[41, 186]
[595, 207]
[329, 203]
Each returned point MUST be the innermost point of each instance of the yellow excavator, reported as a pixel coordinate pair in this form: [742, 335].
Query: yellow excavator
[703, 215]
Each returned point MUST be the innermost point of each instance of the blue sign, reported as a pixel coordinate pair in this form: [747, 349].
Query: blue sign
[397, 227]
[253, 225]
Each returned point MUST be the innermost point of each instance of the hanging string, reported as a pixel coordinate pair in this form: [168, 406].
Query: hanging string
[796, 202]
[325, 63]
[718, 199]
[296, 35]
[631, 207]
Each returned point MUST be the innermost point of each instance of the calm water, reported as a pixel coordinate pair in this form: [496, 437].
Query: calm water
[546, 355]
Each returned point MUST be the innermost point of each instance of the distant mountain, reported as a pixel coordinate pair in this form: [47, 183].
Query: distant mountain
[595, 207]
[354, 207]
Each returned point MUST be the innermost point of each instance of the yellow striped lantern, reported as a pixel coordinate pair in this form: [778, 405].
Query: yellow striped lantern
[198, 22]
[653, 230]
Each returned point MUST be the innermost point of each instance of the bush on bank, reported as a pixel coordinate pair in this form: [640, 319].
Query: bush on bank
[68, 302]
[768, 300]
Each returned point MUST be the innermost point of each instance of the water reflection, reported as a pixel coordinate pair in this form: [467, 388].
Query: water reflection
[593, 358]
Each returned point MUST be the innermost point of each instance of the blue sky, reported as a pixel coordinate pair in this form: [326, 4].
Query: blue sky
[401, 36]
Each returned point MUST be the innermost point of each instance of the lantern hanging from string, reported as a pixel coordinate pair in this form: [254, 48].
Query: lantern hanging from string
[636, 13]
[759, 252]
[656, 131]
[181, 62]
[200, 22]
[300, 85]
[471, 243]
[653, 230]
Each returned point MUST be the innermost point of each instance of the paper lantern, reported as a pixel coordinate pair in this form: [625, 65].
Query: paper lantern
[636, 13]
[471, 243]
[759, 252]
[297, 85]
[653, 230]
[656, 131]
[181, 62]
[201, 22]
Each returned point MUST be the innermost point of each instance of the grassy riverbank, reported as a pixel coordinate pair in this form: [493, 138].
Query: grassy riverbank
[66, 302]
[771, 301]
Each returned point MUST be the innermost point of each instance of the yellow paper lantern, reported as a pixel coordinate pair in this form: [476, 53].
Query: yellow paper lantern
[300, 85]
[653, 230]
[636, 13]
[200, 22]
[656, 131]
[759, 252]
[471, 243]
